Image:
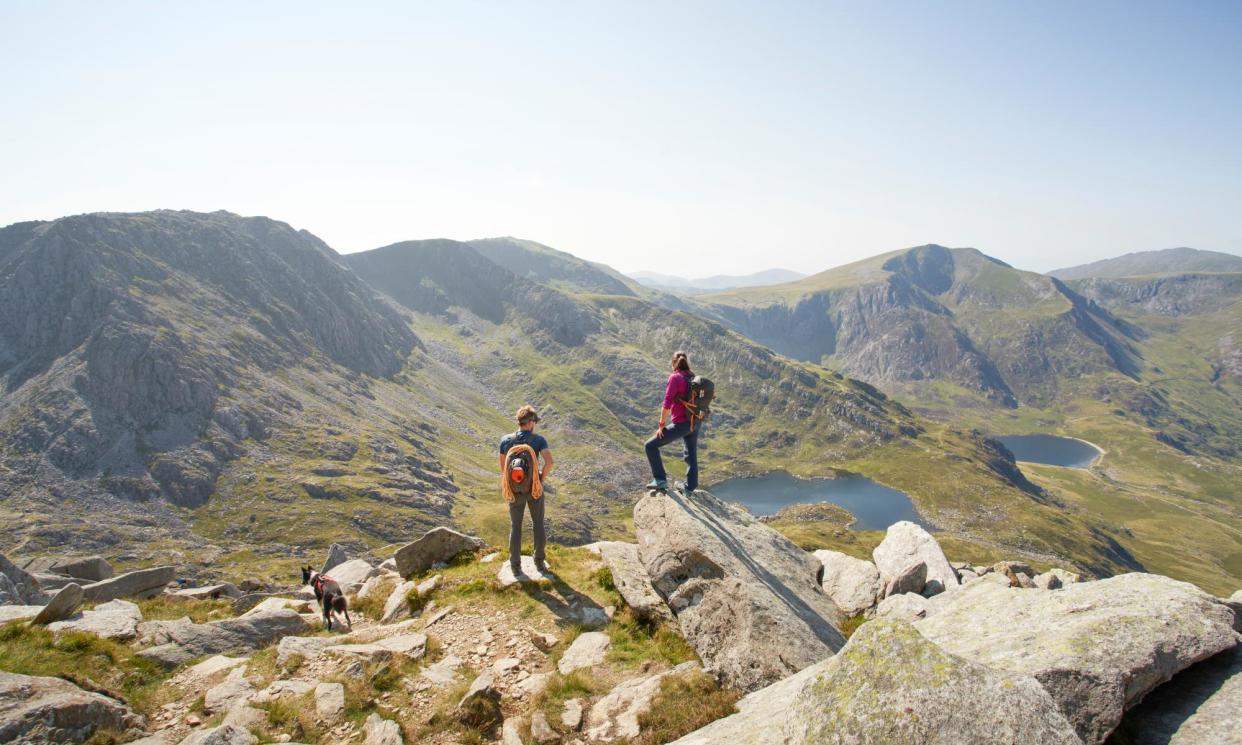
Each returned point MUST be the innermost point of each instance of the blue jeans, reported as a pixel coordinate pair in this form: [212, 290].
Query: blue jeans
[689, 452]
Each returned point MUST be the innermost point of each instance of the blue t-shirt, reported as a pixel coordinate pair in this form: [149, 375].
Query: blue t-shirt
[525, 438]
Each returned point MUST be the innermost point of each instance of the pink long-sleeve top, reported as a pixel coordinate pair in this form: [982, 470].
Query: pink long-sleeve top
[678, 388]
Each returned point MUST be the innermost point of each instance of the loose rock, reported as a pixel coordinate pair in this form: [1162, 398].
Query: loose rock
[631, 580]
[329, 700]
[436, 545]
[588, 650]
[615, 716]
[853, 584]
[336, 557]
[62, 605]
[50, 710]
[225, 734]
[541, 730]
[905, 545]
[380, 731]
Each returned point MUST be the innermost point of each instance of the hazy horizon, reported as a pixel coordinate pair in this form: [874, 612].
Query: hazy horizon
[647, 137]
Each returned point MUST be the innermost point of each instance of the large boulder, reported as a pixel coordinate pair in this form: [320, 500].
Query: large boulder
[631, 580]
[615, 716]
[1096, 647]
[1201, 705]
[38, 710]
[143, 583]
[745, 597]
[89, 568]
[397, 604]
[17, 586]
[117, 620]
[905, 545]
[178, 642]
[891, 685]
[336, 557]
[436, 545]
[353, 574]
[853, 584]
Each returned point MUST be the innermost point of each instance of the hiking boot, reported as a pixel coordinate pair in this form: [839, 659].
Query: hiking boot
[542, 567]
[517, 569]
[658, 484]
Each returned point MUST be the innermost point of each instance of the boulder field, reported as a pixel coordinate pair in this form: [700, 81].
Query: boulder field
[942, 652]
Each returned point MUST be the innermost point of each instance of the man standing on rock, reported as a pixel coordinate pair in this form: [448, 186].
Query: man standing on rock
[522, 482]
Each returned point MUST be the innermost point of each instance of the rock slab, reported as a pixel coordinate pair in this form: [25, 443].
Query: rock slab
[1202, 705]
[1096, 647]
[615, 716]
[891, 685]
[62, 605]
[178, 642]
[631, 580]
[142, 583]
[50, 710]
[17, 586]
[745, 597]
[117, 620]
[89, 568]
[588, 650]
[436, 545]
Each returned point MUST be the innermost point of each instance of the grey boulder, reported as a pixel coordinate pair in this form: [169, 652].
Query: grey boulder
[336, 557]
[38, 710]
[631, 580]
[436, 545]
[352, 575]
[381, 731]
[615, 716]
[1096, 647]
[17, 586]
[853, 584]
[143, 583]
[178, 642]
[89, 568]
[904, 546]
[891, 685]
[1201, 705]
[225, 734]
[117, 620]
[65, 602]
[745, 597]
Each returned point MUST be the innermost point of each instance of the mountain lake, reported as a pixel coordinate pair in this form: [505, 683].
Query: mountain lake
[1052, 450]
[874, 506]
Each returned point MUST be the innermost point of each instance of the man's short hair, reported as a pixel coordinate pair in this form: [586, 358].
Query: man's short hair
[526, 414]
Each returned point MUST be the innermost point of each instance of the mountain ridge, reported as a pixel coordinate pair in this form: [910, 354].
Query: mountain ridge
[1181, 260]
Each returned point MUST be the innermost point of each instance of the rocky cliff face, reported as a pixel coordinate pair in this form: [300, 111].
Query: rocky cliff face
[139, 351]
[933, 313]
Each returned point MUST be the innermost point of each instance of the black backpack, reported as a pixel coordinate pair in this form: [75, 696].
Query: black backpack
[699, 402]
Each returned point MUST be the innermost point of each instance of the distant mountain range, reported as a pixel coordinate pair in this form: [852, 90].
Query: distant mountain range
[1147, 263]
[201, 382]
[714, 283]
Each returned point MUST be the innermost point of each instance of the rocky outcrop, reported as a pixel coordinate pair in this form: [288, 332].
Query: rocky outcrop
[436, 545]
[904, 547]
[40, 710]
[142, 583]
[178, 642]
[1096, 647]
[631, 580]
[1201, 705]
[891, 685]
[745, 597]
[853, 584]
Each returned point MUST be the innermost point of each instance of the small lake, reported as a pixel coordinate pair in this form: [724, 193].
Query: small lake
[1052, 450]
[874, 506]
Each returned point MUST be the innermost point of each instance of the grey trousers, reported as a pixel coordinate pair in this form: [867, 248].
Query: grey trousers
[515, 529]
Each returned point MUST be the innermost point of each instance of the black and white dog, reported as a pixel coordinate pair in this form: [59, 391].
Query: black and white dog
[329, 594]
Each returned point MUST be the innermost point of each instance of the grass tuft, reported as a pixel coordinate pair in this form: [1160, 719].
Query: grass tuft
[670, 718]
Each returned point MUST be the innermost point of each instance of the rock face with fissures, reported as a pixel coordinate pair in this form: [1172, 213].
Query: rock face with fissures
[745, 597]
[1096, 647]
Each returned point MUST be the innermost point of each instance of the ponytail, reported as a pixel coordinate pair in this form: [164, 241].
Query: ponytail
[682, 363]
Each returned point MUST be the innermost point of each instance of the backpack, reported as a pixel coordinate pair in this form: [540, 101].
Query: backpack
[519, 469]
[699, 402]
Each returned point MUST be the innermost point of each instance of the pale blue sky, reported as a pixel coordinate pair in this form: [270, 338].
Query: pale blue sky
[686, 137]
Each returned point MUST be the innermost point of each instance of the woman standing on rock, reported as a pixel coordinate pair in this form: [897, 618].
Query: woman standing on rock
[674, 409]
